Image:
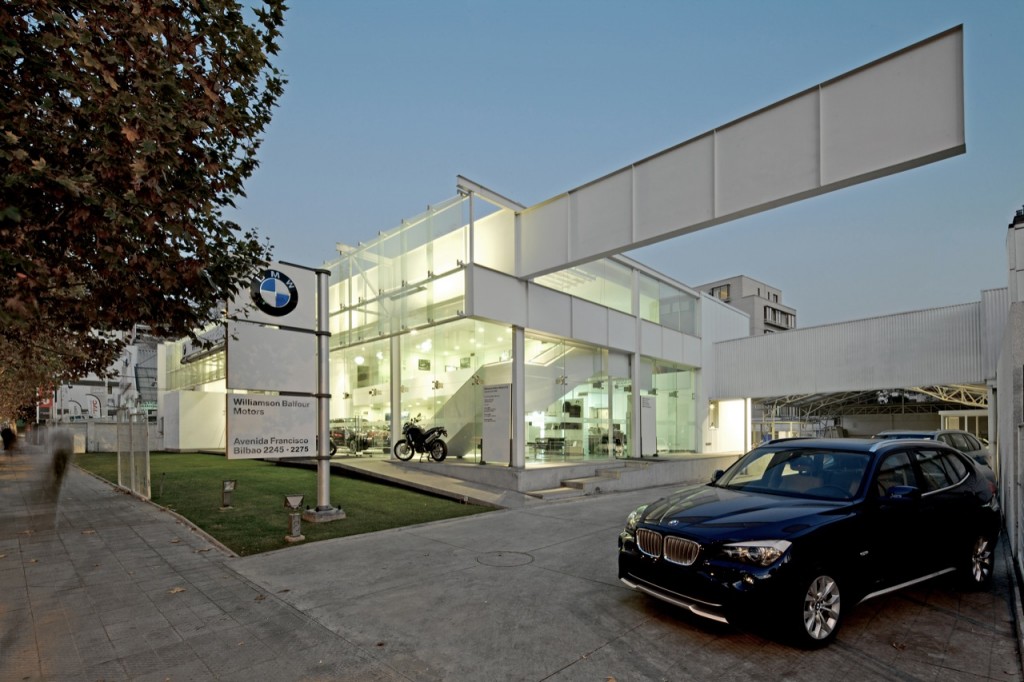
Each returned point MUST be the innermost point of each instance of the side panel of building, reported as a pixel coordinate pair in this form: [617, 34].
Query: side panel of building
[927, 347]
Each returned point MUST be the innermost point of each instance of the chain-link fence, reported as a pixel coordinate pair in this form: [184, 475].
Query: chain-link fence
[133, 453]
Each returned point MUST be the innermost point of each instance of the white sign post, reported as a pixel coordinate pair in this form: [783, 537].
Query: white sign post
[278, 341]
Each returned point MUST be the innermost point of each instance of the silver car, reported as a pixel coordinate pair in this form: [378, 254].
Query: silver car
[965, 442]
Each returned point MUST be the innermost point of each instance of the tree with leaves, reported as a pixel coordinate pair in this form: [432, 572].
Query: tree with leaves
[126, 129]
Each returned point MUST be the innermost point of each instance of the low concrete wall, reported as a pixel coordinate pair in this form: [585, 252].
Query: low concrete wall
[658, 471]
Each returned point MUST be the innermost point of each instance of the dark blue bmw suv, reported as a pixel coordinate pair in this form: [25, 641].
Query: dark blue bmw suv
[798, 531]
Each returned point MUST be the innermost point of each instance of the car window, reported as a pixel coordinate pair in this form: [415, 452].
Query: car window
[947, 438]
[960, 442]
[804, 472]
[895, 470]
[972, 443]
[940, 469]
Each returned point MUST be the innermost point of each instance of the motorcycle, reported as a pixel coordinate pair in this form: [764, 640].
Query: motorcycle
[423, 442]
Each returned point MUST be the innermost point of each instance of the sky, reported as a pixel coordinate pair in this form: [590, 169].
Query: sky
[389, 100]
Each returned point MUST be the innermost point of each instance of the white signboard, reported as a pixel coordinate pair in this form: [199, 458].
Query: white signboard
[274, 426]
[648, 425]
[281, 295]
[267, 359]
[497, 445]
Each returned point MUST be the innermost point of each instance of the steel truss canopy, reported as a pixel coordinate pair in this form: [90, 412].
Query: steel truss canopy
[916, 400]
[899, 112]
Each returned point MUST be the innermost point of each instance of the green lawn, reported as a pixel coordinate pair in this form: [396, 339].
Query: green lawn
[258, 521]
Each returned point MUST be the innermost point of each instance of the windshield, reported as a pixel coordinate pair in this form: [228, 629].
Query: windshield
[798, 472]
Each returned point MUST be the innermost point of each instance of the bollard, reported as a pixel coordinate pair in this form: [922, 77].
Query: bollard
[294, 502]
[226, 488]
[295, 527]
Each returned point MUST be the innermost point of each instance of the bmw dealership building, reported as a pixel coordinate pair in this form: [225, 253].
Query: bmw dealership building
[528, 335]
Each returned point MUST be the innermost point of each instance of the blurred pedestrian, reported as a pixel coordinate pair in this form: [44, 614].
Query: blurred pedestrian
[8, 435]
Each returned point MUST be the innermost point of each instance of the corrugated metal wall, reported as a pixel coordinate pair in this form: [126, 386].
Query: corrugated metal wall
[921, 348]
[995, 307]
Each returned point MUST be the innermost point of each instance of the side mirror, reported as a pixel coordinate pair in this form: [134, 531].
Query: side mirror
[717, 475]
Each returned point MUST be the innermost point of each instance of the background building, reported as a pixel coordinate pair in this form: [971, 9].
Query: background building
[762, 302]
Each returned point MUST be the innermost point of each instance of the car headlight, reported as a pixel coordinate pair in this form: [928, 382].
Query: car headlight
[634, 518]
[756, 552]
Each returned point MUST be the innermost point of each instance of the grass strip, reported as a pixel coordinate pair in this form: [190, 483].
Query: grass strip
[190, 484]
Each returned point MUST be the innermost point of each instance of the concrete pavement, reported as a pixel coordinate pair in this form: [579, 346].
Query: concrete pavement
[98, 585]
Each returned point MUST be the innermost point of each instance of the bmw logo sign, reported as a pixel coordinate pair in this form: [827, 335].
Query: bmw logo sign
[274, 293]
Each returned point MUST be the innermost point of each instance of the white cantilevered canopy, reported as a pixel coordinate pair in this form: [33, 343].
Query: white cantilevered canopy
[902, 111]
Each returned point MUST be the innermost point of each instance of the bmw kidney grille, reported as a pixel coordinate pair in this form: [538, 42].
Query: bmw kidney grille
[675, 550]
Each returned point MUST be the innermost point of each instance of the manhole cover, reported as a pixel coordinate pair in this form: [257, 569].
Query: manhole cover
[501, 559]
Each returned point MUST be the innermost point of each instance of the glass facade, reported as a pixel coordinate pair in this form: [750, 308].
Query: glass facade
[674, 391]
[668, 305]
[402, 347]
[443, 369]
[609, 283]
[604, 282]
[577, 400]
[404, 293]
[192, 368]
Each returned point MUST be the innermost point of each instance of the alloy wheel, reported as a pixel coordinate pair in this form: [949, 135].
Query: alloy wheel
[821, 608]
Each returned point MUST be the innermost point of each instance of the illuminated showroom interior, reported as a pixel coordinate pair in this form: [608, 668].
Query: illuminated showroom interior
[405, 341]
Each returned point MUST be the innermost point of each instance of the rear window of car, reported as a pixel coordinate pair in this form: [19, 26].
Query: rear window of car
[940, 468]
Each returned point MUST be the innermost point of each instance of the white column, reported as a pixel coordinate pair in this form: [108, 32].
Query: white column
[396, 390]
[518, 398]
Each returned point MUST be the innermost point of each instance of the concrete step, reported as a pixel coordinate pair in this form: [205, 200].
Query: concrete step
[562, 493]
[588, 485]
[608, 478]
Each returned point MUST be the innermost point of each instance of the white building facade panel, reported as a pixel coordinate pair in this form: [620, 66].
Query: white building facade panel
[496, 296]
[773, 154]
[650, 339]
[691, 351]
[885, 115]
[601, 215]
[589, 322]
[671, 345]
[549, 311]
[675, 187]
[922, 348]
[543, 235]
[719, 322]
[621, 331]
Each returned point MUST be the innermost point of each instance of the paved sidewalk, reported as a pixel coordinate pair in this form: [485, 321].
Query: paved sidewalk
[98, 585]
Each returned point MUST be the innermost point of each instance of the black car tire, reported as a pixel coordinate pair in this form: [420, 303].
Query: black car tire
[816, 610]
[979, 563]
[403, 450]
[438, 450]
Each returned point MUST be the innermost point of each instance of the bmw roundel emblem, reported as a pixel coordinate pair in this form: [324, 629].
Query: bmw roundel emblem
[274, 293]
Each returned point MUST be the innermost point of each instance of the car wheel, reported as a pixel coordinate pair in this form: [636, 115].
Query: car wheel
[819, 610]
[977, 570]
